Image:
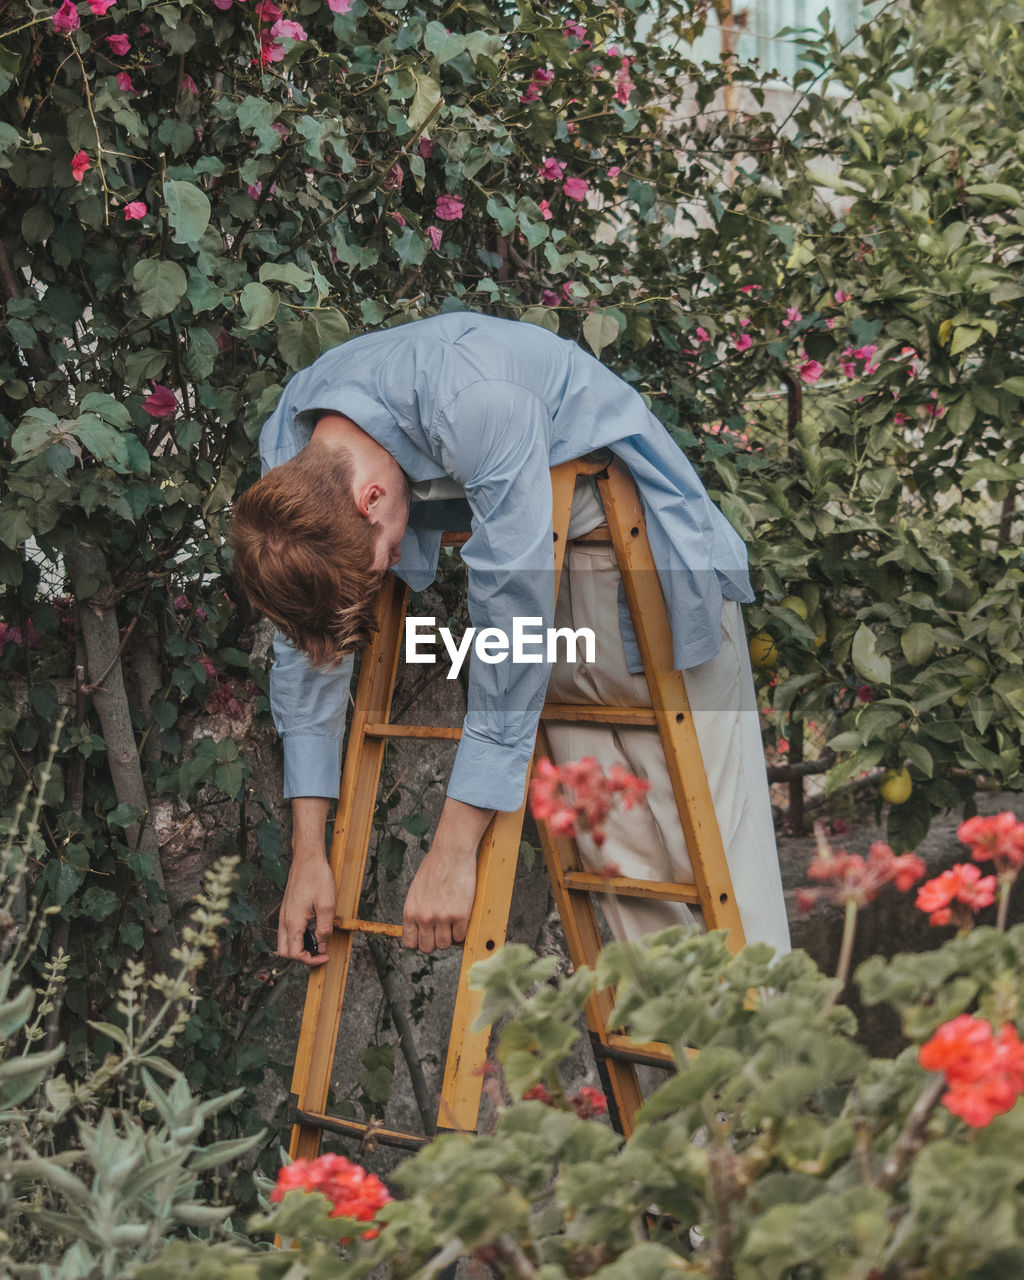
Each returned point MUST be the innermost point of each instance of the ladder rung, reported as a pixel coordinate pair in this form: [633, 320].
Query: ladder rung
[573, 713]
[360, 1129]
[353, 925]
[381, 730]
[622, 1049]
[625, 887]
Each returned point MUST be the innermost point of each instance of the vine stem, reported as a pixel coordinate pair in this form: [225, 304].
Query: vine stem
[96, 130]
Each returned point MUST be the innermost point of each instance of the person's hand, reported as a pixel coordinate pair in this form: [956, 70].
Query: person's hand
[310, 893]
[440, 898]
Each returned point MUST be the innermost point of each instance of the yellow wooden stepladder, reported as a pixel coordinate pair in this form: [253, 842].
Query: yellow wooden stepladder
[371, 728]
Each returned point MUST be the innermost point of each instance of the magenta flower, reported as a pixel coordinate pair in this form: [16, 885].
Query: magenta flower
[793, 316]
[743, 342]
[448, 208]
[119, 44]
[124, 82]
[702, 334]
[567, 291]
[842, 297]
[339, 6]
[545, 210]
[576, 188]
[80, 163]
[750, 288]
[614, 172]
[549, 298]
[426, 148]
[161, 402]
[398, 218]
[66, 19]
[134, 211]
[865, 693]
[624, 86]
[99, 7]
[576, 29]
[270, 50]
[434, 235]
[222, 5]
[267, 11]
[188, 85]
[552, 169]
[289, 30]
[811, 370]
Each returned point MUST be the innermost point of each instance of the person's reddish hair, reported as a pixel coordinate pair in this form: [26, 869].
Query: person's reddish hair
[302, 554]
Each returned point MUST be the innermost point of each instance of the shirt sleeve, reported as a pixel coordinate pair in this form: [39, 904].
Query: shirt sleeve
[494, 439]
[309, 707]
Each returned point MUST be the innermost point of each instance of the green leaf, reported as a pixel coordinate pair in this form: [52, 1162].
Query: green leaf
[918, 642]
[545, 317]
[998, 191]
[867, 660]
[286, 273]
[964, 336]
[188, 211]
[427, 98]
[104, 442]
[15, 1013]
[160, 286]
[600, 330]
[862, 760]
[259, 304]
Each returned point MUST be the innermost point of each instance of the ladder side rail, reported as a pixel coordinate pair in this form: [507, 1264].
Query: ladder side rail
[325, 993]
[672, 709]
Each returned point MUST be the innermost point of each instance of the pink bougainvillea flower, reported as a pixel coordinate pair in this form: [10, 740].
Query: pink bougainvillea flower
[545, 210]
[222, 5]
[701, 334]
[846, 364]
[793, 316]
[567, 291]
[119, 44]
[398, 218]
[286, 29]
[124, 82]
[188, 85]
[434, 235]
[549, 298]
[811, 370]
[743, 343]
[270, 50]
[339, 6]
[80, 164]
[161, 402]
[134, 211]
[352, 1191]
[576, 188]
[842, 297]
[66, 19]
[576, 29]
[425, 147]
[541, 77]
[552, 169]
[99, 7]
[267, 11]
[750, 288]
[624, 86]
[614, 172]
[865, 693]
[449, 208]
[256, 190]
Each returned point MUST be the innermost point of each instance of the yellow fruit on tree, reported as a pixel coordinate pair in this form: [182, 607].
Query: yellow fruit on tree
[978, 669]
[896, 786]
[820, 629]
[763, 652]
[797, 605]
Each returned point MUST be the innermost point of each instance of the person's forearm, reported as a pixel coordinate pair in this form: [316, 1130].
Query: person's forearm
[309, 821]
[461, 826]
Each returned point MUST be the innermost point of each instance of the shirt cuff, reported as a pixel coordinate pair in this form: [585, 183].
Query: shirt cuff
[312, 766]
[488, 774]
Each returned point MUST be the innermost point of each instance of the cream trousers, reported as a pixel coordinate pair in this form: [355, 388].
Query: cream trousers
[647, 842]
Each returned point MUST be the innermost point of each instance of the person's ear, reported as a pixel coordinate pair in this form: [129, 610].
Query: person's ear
[368, 498]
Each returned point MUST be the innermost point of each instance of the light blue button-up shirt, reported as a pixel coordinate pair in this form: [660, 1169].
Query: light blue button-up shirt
[493, 405]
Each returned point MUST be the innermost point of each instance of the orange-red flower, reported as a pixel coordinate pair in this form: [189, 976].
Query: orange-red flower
[984, 1071]
[352, 1191]
[962, 885]
[562, 795]
[999, 836]
[850, 877]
